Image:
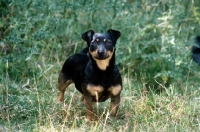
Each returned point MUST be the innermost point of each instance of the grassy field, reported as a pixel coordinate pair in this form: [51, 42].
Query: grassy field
[161, 82]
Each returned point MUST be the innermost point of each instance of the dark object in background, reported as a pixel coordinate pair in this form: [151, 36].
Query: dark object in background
[196, 51]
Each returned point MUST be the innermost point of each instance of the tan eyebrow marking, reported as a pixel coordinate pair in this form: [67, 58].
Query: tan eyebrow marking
[97, 40]
[104, 40]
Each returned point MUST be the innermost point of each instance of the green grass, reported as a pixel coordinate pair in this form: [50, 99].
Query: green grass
[161, 90]
[33, 108]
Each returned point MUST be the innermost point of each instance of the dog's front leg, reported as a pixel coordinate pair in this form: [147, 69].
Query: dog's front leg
[89, 107]
[115, 100]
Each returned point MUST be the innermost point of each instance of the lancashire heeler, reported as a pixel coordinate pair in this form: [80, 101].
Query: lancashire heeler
[95, 74]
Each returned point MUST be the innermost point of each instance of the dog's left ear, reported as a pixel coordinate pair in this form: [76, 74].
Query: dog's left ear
[87, 36]
[114, 34]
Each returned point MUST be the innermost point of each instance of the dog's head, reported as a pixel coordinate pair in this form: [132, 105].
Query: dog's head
[101, 46]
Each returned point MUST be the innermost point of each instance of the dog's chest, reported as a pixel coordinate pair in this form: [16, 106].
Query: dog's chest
[100, 93]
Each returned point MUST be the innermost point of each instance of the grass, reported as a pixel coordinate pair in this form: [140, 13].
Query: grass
[153, 53]
[31, 106]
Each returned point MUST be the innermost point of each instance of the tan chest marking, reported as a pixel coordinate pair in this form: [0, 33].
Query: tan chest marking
[103, 64]
[93, 90]
[115, 90]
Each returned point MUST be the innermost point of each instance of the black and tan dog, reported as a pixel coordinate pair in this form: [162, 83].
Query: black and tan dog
[95, 75]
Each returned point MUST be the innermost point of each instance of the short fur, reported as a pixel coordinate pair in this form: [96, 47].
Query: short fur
[96, 75]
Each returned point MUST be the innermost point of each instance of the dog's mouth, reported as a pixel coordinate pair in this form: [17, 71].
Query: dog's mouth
[102, 60]
[101, 57]
[97, 56]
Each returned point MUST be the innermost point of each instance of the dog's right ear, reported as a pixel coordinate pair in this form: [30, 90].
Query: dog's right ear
[87, 36]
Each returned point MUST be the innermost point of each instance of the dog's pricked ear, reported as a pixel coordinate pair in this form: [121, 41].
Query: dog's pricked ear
[87, 36]
[114, 34]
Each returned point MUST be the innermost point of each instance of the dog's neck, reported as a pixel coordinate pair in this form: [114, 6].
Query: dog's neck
[103, 64]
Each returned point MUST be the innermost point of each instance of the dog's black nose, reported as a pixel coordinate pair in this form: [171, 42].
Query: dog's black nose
[100, 52]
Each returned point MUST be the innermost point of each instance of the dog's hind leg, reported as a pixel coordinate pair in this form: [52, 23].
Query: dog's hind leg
[63, 83]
